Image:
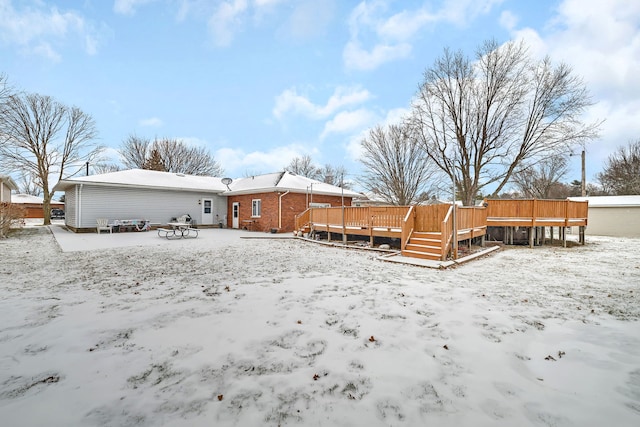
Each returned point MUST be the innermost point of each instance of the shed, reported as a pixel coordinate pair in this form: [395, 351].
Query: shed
[149, 195]
[34, 205]
[617, 216]
[271, 202]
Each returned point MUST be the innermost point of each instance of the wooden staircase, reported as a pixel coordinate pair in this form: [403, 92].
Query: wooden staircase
[425, 245]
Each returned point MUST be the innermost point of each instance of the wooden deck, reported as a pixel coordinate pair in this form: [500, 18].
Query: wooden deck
[428, 231]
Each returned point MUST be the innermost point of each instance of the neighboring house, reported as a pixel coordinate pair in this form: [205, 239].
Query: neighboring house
[270, 202]
[7, 184]
[33, 205]
[613, 215]
[142, 194]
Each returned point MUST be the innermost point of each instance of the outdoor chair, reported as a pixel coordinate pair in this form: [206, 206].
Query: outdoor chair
[103, 225]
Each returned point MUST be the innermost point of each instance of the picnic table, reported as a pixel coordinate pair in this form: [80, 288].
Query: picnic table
[178, 230]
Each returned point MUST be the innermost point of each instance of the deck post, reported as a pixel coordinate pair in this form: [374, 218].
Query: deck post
[564, 237]
[531, 236]
[582, 229]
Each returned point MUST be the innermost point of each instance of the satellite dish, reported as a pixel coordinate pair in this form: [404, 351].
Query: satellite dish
[227, 181]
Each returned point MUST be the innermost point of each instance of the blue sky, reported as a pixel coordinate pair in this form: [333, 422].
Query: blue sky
[259, 82]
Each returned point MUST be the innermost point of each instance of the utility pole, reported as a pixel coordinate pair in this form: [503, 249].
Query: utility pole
[584, 180]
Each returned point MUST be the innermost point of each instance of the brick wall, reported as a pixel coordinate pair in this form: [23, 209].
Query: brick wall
[292, 205]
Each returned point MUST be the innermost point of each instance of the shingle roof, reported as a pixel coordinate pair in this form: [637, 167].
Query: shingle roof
[149, 179]
[285, 181]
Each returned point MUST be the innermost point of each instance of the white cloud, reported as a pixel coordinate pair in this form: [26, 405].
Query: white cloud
[357, 58]
[376, 39]
[267, 3]
[237, 162]
[349, 121]
[226, 20]
[508, 20]
[354, 144]
[37, 30]
[291, 101]
[151, 122]
[128, 7]
[601, 42]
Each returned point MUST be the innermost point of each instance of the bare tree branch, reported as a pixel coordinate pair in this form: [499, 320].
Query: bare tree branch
[42, 138]
[304, 166]
[496, 113]
[621, 173]
[173, 155]
[396, 167]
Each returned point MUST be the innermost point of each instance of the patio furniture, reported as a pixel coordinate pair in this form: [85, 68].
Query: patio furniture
[131, 225]
[178, 230]
[103, 225]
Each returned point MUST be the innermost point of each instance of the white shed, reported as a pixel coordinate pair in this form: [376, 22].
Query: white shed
[142, 194]
[613, 215]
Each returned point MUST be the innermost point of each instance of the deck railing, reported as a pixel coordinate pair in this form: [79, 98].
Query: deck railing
[408, 225]
[446, 232]
[538, 211]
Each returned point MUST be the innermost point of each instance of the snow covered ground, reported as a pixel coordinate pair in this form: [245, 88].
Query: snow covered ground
[134, 330]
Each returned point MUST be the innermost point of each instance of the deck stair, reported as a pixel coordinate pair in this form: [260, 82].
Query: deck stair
[425, 245]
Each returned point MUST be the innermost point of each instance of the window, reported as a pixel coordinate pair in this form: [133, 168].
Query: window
[256, 207]
[207, 206]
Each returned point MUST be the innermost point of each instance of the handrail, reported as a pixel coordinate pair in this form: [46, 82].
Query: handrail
[408, 224]
[446, 233]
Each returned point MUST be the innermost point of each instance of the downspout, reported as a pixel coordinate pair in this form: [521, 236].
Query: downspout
[79, 206]
[280, 208]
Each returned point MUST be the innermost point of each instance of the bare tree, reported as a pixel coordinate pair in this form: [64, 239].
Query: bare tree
[303, 166]
[105, 167]
[28, 184]
[542, 180]
[396, 167]
[483, 119]
[43, 138]
[5, 91]
[134, 152]
[621, 172]
[172, 154]
[334, 175]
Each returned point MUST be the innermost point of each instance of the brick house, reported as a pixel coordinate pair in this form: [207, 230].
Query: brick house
[270, 202]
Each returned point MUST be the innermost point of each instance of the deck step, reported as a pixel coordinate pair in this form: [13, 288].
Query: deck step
[422, 248]
[422, 255]
[424, 245]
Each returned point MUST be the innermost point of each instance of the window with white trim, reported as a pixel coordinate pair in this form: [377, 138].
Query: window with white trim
[256, 208]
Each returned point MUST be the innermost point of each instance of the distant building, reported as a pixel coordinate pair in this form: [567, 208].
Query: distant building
[33, 205]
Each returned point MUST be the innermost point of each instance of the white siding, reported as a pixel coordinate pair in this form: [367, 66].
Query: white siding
[70, 207]
[619, 221]
[5, 192]
[157, 206]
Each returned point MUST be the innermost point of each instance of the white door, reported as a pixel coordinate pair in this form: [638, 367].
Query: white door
[235, 214]
[207, 211]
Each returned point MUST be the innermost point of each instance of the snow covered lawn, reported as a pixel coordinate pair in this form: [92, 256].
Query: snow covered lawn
[284, 332]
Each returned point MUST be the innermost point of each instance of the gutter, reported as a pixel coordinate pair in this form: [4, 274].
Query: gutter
[280, 196]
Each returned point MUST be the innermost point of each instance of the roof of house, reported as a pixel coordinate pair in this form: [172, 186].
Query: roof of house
[142, 178]
[285, 181]
[609, 201]
[32, 200]
[9, 182]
